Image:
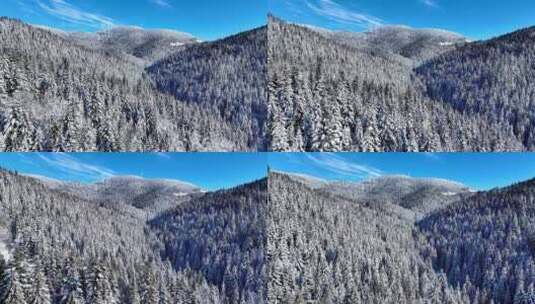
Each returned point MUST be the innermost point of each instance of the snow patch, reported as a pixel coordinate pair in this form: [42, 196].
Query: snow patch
[449, 193]
[176, 44]
[446, 43]
[4, 239]
[180, 194]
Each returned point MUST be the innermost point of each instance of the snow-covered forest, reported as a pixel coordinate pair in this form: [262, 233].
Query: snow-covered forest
[281, 87]
[64, 248]
[67, 92]
[397, 89]
[284, 239]
[333, 244]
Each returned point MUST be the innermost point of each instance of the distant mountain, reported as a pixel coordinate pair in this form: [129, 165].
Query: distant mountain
[421, 195]
[144, 46]
[147, 194]
[408, 197]
[408, 45]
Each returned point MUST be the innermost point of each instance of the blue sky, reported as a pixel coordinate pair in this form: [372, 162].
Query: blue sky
[210, 171]
[205, 19]
[213, 171]
[475, 19]
[480, 171]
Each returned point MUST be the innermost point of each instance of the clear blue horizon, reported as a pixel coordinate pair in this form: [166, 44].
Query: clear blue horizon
[210, 171]
[479, 171]
[205, 19]
[475, 19]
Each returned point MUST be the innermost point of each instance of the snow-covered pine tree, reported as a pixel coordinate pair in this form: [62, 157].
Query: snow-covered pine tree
[17, 133]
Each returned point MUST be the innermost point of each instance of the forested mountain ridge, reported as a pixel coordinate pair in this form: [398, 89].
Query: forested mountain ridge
[492, 79]
[328, 95]
[480, 246]
[419, 195]
[485, 244]
[140, 45]
[230, 223]
[228, 75]
[57, 95]
[327, 249]
[150, 195]
[401, 43]
[69, 250]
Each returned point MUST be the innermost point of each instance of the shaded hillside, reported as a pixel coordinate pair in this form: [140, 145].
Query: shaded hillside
[492, 79]
[227, 76]
[485, 244]
[221, 235]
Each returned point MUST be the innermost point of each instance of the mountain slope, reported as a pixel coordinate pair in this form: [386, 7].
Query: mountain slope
[145, 194]
[70, 250]
[140, 45]
[404, 44]
[491, 79]
[325, 95]
[227, 75]
[4, 244]
[327, 249]
[485, 244]
[67, 97]
[222, 236]
[420, 195]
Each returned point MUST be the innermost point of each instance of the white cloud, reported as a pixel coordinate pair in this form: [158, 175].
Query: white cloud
[430, 155]
[336, 12]
[163, 155]
[67, 12]
[341, 166]
[71, 166]
[430, 3]
[162, 3]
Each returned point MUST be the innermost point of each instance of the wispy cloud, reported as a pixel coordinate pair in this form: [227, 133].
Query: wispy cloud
[429, 3]
[161, 3]
[67, 12]
[163, 155]
[74, 167]
[341, 166]
[431, 155]
[335, 12]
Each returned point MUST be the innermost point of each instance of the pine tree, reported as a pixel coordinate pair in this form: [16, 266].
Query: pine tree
[12, 289]
[40, 290]
[17, 132]
[71, 291]
[71, 128]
